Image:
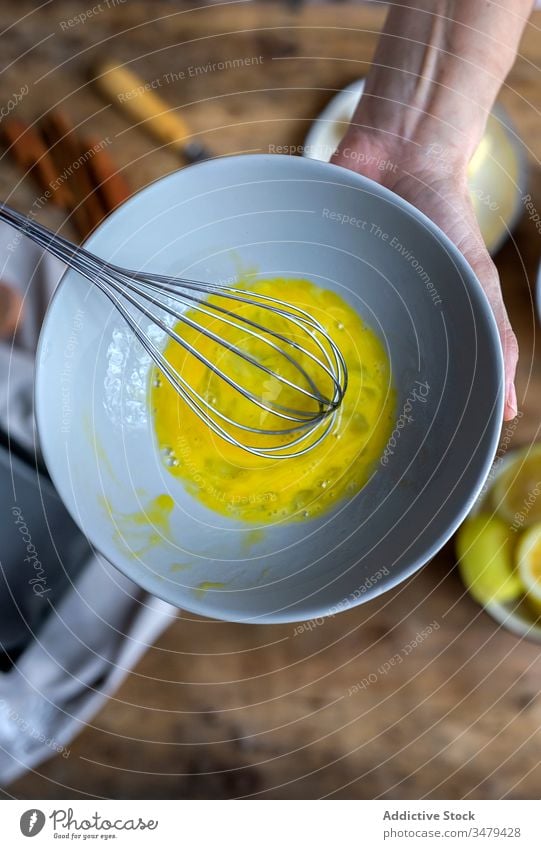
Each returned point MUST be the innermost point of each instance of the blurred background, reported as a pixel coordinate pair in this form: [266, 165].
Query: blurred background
[339, 707]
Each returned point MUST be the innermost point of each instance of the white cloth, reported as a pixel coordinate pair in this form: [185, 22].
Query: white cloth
[104, 622]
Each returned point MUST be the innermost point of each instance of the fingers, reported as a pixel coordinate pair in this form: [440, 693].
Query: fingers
[488, 275]
[507, 337]
[510, 359]
[463, 229]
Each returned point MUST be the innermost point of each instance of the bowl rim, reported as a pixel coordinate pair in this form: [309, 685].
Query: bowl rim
[480, 304]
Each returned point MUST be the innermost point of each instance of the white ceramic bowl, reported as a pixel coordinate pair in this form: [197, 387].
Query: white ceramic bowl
[292, 217]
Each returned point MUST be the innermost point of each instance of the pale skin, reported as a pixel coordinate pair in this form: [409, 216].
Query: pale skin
[436, 73]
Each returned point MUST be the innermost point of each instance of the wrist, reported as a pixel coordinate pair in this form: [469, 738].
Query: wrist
[387, 158]
[436, 73]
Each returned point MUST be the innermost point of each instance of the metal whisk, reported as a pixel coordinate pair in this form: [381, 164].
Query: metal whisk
[295, 427]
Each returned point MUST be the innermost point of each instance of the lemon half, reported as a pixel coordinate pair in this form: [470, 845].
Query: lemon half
[529, 565]
[516, 495]
[485, 552]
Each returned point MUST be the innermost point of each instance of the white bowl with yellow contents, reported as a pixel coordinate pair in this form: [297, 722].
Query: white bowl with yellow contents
[258, 218]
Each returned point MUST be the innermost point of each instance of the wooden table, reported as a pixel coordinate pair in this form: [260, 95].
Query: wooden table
[219, 710]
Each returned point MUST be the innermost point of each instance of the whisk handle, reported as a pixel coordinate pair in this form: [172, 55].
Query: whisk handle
[52, 242]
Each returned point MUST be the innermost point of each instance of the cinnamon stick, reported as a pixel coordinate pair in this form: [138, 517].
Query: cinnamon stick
[71, 165]
[11, 309]
[31, 154]
[110, 183]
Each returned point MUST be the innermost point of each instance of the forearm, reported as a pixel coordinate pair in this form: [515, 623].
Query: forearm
[437, 70]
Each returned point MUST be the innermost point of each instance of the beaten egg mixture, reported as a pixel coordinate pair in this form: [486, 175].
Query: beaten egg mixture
[240, 485]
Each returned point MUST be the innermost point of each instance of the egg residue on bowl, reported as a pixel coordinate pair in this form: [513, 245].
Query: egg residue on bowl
[235, 483]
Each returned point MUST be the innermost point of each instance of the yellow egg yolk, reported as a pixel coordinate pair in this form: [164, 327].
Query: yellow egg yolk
[235, 483]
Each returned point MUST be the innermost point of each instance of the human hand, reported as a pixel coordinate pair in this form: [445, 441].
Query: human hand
[435, 75]
[439, 189]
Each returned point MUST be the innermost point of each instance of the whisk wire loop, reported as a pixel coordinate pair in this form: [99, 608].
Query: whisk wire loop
[284, 429]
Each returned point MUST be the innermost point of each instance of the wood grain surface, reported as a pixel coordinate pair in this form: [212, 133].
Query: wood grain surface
[219, 710]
